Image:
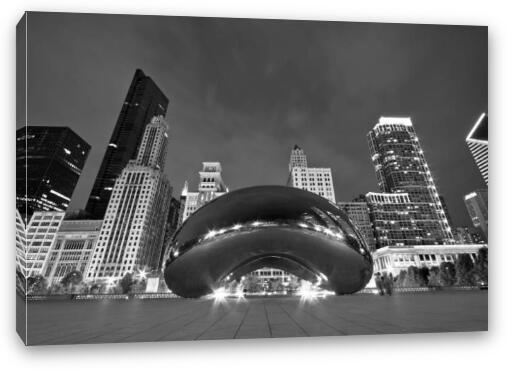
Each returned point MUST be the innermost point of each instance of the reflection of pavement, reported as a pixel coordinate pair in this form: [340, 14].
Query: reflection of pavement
[65, 322]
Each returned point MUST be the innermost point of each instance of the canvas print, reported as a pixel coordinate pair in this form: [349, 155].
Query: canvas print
[186, 178]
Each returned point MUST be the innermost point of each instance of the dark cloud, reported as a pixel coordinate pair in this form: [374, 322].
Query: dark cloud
[245, 91]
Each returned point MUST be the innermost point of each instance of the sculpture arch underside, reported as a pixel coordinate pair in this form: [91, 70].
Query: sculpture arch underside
[267, 226]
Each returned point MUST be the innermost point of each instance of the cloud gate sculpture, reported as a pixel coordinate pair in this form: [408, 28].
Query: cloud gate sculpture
[267, 226]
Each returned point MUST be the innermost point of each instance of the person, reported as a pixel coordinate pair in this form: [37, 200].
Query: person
[378, 283]
[388, 284]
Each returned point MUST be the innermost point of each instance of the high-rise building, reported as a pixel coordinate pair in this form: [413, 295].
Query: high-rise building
[72, 249]
[467, 236]
[477, 207]
[358, 212]
[144, 101]
[211, 186]
[446, 210]
[132, 233]
[21, 244]
[41, 232]
[477, 142]
[316, 180]
[402, 170]
[49, 161]
[397, 220]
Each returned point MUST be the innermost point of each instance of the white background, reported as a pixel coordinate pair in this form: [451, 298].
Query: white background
[465, 350]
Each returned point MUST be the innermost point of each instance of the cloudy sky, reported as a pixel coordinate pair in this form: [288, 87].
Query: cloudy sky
[243, 92]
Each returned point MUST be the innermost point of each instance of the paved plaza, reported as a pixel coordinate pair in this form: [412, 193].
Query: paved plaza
[73, 322]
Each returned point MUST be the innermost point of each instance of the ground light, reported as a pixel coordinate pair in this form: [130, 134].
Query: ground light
[219, 295]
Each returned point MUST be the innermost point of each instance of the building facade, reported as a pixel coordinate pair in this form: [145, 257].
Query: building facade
[392, 260]
[467, 236]
[211, 185]
[72, 249]
[358, 212]
[477, 207]
[144, 101]
[402, 170]
[49, 161]
[316, 180]
[266, 276]
[477, 142]
[41, 233]
[21, 244]
[132, 234]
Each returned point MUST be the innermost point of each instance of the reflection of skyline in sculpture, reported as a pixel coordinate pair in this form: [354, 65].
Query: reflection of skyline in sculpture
[278, 227]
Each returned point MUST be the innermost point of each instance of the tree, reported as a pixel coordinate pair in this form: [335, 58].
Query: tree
[447, 274]
[251, 283]
[275, 285]
[71, 279]
[400, 280]
[126, 283]
[464, 270]
[139, 286]
[36, 284]
[481, 265]
[423, 276]
[434, 277]
[412, 277]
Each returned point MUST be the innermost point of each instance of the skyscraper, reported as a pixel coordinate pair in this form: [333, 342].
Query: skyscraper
[446, 210]
[211, 186]
[402, 170]
[477, 207]
[144, 100]
[358, 212]
[132, 233]
[477, 142]
[21, 244]
[467, 236]
[49, 161]
[397, 220]
[316, 180]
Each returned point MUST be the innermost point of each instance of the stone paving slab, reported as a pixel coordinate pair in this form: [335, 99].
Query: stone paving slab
[105, 321]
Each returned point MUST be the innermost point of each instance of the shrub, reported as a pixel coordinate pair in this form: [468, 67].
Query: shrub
[465, 275]
[447, 274]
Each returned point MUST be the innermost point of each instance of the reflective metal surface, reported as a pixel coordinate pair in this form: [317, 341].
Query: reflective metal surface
[273, 226]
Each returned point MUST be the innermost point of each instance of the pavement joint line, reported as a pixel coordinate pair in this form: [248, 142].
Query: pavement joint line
[214, 323]
[323, 322]
[241, 322]
[267, 318]
[153, 326]
[293, 320]
[195, 318]
[358, 324]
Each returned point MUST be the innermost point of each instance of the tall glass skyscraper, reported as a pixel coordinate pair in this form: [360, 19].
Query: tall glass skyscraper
[477, 142]
[49, 161]
[144, 100]
[401, 168]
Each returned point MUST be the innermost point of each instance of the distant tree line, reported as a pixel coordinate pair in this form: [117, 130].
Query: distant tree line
[463, 272]
[73, 283]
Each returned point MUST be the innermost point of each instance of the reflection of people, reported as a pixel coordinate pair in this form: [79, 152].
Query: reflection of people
[378, 283]
[388, 284]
